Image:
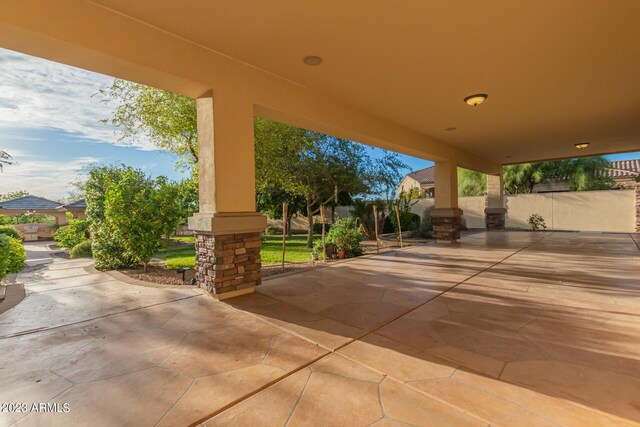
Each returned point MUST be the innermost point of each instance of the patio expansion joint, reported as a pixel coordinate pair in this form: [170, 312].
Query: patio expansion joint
[35, 331]
[295, 406]
[184, 393]
[335, 351]
[70, 287]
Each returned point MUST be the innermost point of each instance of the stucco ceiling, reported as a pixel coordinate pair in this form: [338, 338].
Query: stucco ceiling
[557, 72]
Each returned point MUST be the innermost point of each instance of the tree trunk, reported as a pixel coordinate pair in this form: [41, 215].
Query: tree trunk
[144, 267]
[289, 232]
[333, 213]
[309, 225]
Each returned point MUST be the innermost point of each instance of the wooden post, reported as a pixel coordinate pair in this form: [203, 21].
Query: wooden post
[399, 225]
[375, 220]
[285, 211]
[324, 245]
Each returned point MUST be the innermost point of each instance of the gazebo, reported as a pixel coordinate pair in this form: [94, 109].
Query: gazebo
[77, 208]
[34, 205]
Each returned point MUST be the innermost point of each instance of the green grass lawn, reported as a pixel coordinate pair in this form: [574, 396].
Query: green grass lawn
[178, 254]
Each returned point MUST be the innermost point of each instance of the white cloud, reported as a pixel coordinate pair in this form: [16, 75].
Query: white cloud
[48, 179]
[36, 93]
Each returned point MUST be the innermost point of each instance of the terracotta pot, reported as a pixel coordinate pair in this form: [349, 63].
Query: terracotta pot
[342, 253]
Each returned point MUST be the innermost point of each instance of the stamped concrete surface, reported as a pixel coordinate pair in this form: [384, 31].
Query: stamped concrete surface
[502, 329]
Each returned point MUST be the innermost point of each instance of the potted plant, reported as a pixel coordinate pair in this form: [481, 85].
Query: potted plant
[346, 237]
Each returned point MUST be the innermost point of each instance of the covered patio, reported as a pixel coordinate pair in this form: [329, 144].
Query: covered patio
[502, 329]
[494, 328]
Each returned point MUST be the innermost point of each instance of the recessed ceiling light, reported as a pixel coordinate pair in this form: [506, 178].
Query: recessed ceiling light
[475, 100]
[581, 145]
[450, 129]
[312, 60]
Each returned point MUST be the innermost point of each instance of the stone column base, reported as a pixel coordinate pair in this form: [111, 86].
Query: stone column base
[228, 259]
[446, 224]
[494, 218]
[638, 208]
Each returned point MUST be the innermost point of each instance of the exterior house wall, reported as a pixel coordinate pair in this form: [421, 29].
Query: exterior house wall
[407, 184]
[603, 211]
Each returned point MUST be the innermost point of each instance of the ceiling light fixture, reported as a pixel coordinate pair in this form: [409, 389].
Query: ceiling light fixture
[475, 100]
[581, 145]
[312, 60]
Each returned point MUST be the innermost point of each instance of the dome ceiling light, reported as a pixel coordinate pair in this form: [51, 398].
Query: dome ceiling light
[581, 145]
[312, 60]
[475, 100]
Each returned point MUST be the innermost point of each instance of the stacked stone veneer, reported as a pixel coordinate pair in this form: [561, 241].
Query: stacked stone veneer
[494, 220]
[638, 208]
[446, 228]
[228, 262]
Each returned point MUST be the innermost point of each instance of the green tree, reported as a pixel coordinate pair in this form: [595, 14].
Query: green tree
[140, 211]
[290, 162]
[471, 183]
[5, 159]
[166, 118]
[71, 234]
[317, 167]
[108, 250]
[129, 214]
[582, 174]
[13, 195]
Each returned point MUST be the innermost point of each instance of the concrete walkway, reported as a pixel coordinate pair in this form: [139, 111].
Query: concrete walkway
[503, 329]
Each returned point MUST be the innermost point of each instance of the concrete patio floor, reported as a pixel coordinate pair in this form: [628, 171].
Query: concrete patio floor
[503, 329]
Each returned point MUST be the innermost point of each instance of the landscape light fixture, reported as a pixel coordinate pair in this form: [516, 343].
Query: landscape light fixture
[475, 100]
[581, 145]
[312, 60]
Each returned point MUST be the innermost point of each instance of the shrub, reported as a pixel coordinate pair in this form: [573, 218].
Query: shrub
[387, 226]
[72, 234]
[10, 230]
[317, 227]
[408, 220]
[537, 222]
[425, 230]
[129, 213]
[12, 255]
[345, 235]
[271, 230]
[81, 250]
[363, 211]
[463, 223]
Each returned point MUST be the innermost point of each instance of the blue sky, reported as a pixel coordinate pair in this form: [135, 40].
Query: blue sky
[50, 124]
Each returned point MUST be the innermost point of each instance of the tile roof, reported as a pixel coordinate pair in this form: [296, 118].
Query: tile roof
[78, 204]
[623, 168]
[30, 203]
[424, 176]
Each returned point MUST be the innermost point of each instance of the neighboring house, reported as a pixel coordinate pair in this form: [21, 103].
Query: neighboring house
[422, 180]
[623, 172]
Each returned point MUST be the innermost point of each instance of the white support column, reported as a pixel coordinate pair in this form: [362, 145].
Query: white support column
[446, 214]
[495, 210]
[227, 226]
